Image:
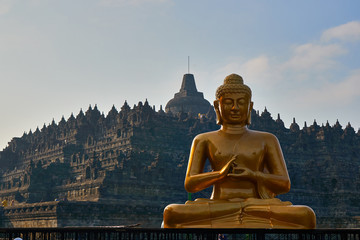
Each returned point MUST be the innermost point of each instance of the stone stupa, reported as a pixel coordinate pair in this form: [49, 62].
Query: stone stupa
[188, 99]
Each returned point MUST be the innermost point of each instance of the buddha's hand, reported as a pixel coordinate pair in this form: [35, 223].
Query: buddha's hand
[241, 172]
[227, 168]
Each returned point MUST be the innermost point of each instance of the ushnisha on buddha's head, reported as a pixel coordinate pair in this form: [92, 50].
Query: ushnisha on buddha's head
[233, 102]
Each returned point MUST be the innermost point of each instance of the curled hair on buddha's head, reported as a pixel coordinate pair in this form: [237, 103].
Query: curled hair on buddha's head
[232, 84]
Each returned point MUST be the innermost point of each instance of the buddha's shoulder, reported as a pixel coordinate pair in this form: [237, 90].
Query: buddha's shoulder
[206, 136]
[263, 135]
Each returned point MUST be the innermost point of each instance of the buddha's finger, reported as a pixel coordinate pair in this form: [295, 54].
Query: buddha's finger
[233, 158]
[236, 175]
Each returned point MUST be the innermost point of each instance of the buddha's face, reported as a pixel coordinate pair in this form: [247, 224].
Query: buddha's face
[234, 108]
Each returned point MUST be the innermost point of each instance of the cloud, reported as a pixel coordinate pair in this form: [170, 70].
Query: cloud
[314, 56]
[256, 69]
[310, 61]
[231, 67]
[348, 32]
[335, 93]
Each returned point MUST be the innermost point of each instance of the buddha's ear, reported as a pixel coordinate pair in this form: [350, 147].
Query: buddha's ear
[248, 121]
[217, 111]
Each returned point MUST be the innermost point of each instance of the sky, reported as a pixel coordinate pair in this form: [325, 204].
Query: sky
[300, 58]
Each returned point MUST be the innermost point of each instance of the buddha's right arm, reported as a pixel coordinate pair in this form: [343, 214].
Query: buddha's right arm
[196, 179]
[201, 181]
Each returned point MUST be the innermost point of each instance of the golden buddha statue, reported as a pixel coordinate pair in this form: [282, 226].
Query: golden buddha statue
[248, 171]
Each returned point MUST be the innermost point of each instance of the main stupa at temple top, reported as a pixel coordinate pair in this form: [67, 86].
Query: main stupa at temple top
[188, 99]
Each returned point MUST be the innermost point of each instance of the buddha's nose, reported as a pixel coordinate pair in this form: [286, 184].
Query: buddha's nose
[235, 107]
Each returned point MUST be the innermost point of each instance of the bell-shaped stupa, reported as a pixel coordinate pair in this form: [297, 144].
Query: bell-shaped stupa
[188, 99]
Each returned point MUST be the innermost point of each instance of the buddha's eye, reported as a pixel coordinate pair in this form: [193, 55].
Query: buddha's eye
[228, 101]
[241, 101]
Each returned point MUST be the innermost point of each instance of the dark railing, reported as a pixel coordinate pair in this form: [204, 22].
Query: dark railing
[121, 233]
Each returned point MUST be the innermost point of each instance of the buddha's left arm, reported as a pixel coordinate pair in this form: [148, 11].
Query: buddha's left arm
[277, 178]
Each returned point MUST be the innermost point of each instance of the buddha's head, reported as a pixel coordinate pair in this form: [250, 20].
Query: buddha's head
[233, 102]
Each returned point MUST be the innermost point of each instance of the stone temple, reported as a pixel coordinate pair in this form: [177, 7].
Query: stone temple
[124, 167]
[188, 99]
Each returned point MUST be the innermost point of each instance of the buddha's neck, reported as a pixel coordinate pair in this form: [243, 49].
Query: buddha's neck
[233, 129]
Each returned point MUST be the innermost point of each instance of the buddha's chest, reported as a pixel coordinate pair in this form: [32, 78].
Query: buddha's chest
[248, 154]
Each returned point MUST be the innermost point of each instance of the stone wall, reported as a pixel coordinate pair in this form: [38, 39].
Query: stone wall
[30, 215]
[82, 213]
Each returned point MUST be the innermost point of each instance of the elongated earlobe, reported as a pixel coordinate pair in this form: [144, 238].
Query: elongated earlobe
[248, 121]
[217, 111]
